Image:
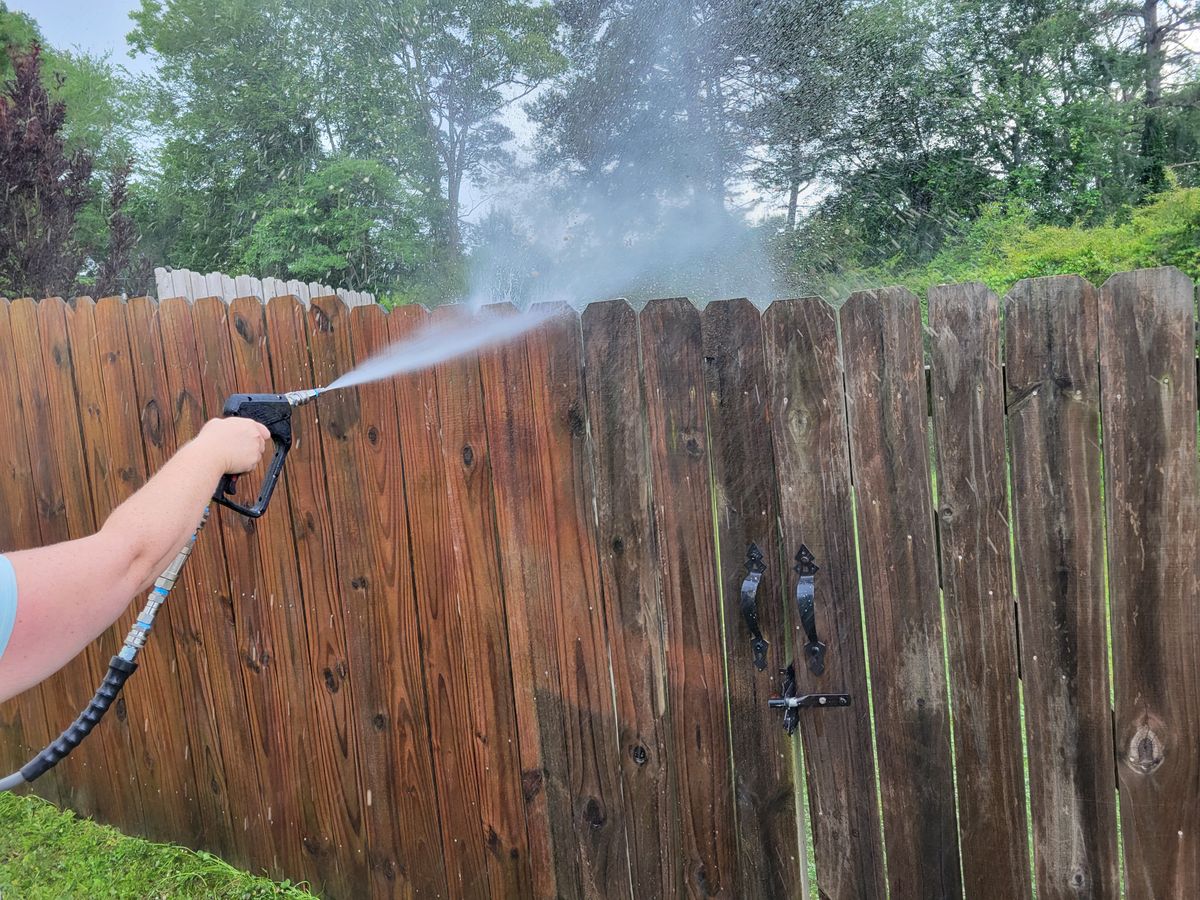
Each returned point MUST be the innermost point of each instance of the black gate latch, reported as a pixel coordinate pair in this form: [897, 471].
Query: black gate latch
[792, 704]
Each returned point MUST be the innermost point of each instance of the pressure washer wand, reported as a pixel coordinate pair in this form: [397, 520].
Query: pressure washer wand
[275, 412]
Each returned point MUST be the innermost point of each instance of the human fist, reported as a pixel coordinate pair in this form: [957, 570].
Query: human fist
[237, 444]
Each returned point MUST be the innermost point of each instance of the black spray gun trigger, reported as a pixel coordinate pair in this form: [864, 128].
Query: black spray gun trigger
[274, 411]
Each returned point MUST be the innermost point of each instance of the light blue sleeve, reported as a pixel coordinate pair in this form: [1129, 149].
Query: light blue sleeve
[8, 601]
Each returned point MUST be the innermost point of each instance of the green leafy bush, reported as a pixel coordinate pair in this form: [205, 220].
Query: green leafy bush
[1002, 246]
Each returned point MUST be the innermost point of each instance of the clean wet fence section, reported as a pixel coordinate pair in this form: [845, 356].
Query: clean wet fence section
[496, 635]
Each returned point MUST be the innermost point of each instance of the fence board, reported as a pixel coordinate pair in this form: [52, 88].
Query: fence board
[164, 772]
[534, 632]
[292, 723]
[314, 523]
[405, 842]
[208, 819]
[632, 593]
[882, 343]
[1053, 395]
[466, 457]
[542, 476]
[699, 752]
[1148, 392]
[25, 728]
[808, 422]
[968, 420]
[278, 812]
[449, 693]
[65, 512]
[206, 594]
[743, 472]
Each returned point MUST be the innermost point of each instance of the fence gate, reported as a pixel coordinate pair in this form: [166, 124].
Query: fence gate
[513, 627]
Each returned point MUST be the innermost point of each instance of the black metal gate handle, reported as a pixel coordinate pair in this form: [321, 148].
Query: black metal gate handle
[755, 567]
[806, 567]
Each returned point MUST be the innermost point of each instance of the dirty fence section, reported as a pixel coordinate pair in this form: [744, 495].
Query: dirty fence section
[513, 625]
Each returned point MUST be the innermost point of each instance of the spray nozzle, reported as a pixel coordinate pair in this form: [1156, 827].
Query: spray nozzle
[299, 398]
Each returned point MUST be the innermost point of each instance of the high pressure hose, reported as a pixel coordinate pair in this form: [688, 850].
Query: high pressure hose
[120, 667]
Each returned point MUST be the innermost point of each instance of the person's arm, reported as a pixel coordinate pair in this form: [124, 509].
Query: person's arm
[69, 593]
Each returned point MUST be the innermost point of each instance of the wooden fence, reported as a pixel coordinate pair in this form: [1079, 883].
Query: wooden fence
[489, 640]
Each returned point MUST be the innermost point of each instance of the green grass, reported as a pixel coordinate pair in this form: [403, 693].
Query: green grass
[47, 854]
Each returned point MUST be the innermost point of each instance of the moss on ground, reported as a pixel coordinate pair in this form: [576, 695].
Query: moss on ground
[47, 854]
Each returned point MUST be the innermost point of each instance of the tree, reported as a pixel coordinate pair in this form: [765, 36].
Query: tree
[461, 63]
[351, 223]
[123, 270]
[46, 186]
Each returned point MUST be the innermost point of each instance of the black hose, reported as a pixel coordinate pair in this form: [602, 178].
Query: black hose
[119, 671]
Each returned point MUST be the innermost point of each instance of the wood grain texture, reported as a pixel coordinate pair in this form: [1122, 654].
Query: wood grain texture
[1053, 394]
[403, 823]
[770, 855]
[968, 423]
[700, 755]
[808, 424]
[49, 379]
[207, 594]
[24, 728]
[533, 617]
[537, 429]
[882, 346]
[302, 348]
[632, 591]
[478, 593]
[1148, 395]
[271, 730]
[177, 630]
[296, 723]
[449, 692]
[162, 765]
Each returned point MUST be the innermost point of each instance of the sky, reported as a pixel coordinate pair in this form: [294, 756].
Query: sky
[99, 26]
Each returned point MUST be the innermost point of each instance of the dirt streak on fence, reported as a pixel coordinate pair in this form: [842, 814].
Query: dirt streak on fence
[491, 641]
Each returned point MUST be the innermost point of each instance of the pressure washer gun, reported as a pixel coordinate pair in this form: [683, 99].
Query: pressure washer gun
[275, 412]
[271, 410]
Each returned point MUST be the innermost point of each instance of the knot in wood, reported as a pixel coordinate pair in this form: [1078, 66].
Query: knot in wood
[468, 455]
[639, 755]
[1146, 750]
[593, 813]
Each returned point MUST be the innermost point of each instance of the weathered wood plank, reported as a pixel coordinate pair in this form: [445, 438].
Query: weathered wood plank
[968, 422]
[302, 347]
[632, 592]
[808, 423]
[161, 766]
[205, 591]
[770, 855]
[476, 577]
[1053, 394]
[882, 346]
[294, 721]
[700, 755]
[404, 837]
[65, 512]
[449, 693]
[537, 423]
[24, 728]
[1148, 393]
[176, 634]
[272, 732]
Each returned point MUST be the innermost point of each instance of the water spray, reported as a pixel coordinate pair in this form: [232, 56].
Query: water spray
[428, 346]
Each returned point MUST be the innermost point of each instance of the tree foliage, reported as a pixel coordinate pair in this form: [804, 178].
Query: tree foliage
[45, 186]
